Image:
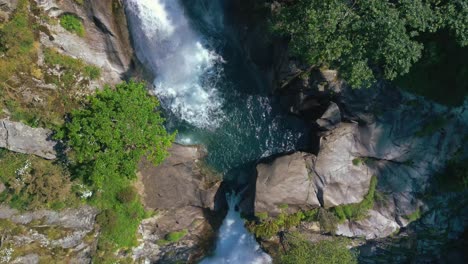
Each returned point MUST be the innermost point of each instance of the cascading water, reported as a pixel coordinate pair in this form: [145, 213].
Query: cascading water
[235, 244]
[165, 41]
[218, 101]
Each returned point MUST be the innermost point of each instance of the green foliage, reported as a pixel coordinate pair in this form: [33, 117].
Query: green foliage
[173, 237]
[327, 220]
[262, 215]
[16, 43]
[311, 215]
[302, 251]
[34, 183]
[114, 131]
[127, 194]
[108, 137]
[71, 68]
[19, 68]
[72, 24]
[368, 39]
[269, 227]
[359, 210]
[265, 229]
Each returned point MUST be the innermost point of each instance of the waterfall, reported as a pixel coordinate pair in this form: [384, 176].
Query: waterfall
[235, 244]
[186, 70]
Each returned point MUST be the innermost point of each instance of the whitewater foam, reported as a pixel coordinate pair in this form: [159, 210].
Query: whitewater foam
[235, 244]
[187, 72]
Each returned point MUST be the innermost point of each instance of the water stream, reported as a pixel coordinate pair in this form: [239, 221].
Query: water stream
[211, 96]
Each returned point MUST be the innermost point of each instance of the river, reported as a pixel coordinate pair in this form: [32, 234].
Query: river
[212, 96]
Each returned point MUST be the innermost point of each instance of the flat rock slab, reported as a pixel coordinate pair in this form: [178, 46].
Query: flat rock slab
[18, 137]
[177, 182]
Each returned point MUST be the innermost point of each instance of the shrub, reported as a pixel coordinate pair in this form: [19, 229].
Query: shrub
[127, 194]
[33, 183]
[324, 252]
[327, 220]
[72, 24]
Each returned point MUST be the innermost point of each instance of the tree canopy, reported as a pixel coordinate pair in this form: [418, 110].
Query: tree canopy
[115, 129]
[367, 39]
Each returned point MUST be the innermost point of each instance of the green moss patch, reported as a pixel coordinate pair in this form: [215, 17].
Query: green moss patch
[73, 24]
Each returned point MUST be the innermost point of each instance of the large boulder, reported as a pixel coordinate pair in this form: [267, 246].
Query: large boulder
[287, 181]
[182, 190]
[18, 137]
[339, 180]
[179, 181]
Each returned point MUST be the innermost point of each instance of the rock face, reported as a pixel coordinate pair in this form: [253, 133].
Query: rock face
[21, 138]
[402, 139]
[69, 234]
[106, 43]
[338, 180]
[288, 180]
[182, 191]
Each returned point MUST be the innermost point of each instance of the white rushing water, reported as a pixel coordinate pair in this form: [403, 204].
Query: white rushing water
[235, 244]
[186, 70]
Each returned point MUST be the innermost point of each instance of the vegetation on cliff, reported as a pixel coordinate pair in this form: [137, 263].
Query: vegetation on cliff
[301, 251]
[367, 40]
[108, 137]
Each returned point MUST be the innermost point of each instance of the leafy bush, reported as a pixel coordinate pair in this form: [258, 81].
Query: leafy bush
[269, 227]
[359, 210]
[324, 252]
[72, 24]
[114, 131]
[127, 194]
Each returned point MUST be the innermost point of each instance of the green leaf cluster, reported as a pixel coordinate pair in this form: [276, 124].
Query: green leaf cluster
[367, 39]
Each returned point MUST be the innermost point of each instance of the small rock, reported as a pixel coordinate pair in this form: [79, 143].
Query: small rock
[330, 118]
